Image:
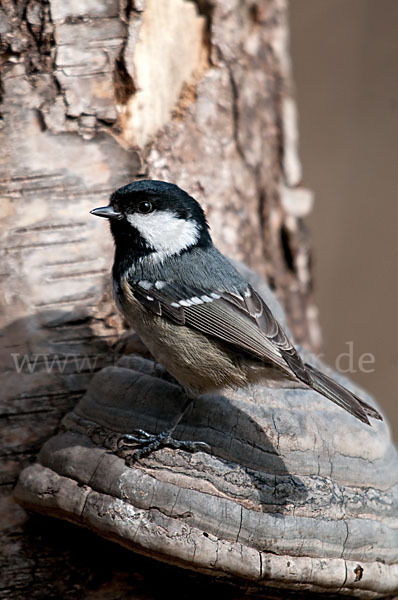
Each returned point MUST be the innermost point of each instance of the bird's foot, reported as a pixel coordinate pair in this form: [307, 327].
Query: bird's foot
[147, 443]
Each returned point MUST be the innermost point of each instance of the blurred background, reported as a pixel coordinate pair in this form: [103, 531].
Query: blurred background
[345, 66]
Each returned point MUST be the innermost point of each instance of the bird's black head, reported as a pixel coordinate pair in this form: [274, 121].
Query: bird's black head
[155, 217]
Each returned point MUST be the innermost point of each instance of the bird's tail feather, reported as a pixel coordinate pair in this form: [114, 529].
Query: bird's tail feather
[341, 396]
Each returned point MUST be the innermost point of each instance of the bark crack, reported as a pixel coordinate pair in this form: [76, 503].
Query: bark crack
[124, 86]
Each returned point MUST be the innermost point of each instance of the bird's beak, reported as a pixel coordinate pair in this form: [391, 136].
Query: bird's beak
[106, 211]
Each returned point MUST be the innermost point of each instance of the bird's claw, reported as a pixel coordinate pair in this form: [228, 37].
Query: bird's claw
[139, 436]
[149, 443]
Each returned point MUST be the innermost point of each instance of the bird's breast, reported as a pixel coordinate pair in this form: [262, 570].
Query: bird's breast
[199, 363]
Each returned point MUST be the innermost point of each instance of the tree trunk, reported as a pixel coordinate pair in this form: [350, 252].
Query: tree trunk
[94, 95]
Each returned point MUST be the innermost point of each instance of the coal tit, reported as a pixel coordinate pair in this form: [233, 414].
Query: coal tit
[193, 310]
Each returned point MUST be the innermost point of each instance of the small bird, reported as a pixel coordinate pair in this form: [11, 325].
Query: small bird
[193, 310]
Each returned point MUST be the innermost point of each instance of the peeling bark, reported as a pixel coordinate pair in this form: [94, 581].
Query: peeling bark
[72, 75]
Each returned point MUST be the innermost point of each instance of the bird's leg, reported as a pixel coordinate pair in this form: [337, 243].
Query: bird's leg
[147, 443]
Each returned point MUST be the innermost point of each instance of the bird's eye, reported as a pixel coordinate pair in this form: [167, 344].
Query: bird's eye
[145, 207]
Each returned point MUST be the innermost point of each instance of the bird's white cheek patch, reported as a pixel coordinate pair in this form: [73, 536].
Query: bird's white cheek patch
[165, 232]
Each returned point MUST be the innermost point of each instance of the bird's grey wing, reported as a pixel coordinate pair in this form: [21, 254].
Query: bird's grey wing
[244, 321]
[241, 320]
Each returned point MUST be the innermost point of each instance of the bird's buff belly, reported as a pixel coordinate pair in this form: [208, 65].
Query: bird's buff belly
[198, 363]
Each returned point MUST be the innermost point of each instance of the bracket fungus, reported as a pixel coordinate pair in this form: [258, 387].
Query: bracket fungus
[296, 494]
